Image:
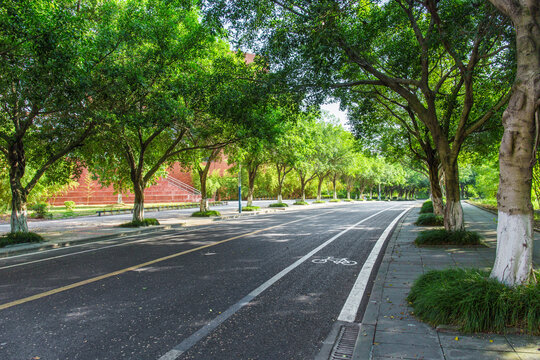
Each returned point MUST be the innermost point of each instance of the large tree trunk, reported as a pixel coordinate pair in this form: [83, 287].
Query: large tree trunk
[453, 214]
[17, 167]
[513, 261]
[334, 180]
[138, 203]
[436, 192]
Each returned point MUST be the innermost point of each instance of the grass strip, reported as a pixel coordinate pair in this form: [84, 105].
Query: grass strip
[429, 219]
[470, 300]
[20, 238]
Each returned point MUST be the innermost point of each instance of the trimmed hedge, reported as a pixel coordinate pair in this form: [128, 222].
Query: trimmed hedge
[20, 238]
[301, 203]
[474, 302]
[335, 200]
[319, 202]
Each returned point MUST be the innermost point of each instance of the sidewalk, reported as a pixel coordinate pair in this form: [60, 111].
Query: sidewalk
[390, 330]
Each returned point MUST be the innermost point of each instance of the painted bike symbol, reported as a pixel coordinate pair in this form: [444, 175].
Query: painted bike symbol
[342, 261]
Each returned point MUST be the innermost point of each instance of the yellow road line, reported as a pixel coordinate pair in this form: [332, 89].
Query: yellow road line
[135, 267]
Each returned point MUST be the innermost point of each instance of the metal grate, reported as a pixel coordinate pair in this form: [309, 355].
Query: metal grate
[344, 347]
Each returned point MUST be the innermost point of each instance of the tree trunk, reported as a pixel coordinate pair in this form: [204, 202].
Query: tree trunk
[251, 185]
[17, 168]
[517, 154]
[204, 200]
[334, 180]
[435, 185]
[453, 214]
[138, 203]
[319, 188]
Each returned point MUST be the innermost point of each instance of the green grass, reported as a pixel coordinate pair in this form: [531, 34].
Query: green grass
[348, 200]
[427, 207]
[319, 202]
[250, 208]
[472, 301]
[429, 219]
[445, 237]
[282, 204]
[335, 200]
[301, 203]
[144, 222]
[20, 238]
[208, 213]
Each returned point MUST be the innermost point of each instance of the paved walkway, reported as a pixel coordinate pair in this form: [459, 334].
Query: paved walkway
[390, 330]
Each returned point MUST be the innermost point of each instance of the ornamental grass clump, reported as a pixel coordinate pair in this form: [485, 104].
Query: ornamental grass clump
[20, 238]
[250, 208]
[474, 302]
[208, 213]
[144, 222]
[429, 219]
[278, 205]
[446, 237]
[301, 203]
[427, 207]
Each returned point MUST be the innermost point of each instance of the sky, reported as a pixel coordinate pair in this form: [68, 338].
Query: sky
[333, 108]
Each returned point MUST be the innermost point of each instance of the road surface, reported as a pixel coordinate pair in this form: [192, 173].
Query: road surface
[264, 287]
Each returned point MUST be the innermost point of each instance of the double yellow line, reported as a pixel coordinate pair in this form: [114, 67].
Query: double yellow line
[135, 267]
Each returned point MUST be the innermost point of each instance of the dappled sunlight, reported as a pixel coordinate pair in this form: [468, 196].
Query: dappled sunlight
[152, 269]
[308, 298]
[234, 269]
[77, 315]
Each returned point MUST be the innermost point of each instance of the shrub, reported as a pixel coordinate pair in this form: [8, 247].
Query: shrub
[299, 202]
[41, 210]
[206, 213]
[335, 200]
[348, 200]
[144, 222]
[20, 238]
[427, 207]
[282, 204]
[69, 205]
[429, 219]
[250, 208]
[445, 237]
[474, 302]
[319, 202]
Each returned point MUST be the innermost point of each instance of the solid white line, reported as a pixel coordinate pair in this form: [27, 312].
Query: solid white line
[208, 328]
[348, 313]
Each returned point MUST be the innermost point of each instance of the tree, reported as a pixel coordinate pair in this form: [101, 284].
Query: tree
[51, 60]
[517, 155]
[437, 56]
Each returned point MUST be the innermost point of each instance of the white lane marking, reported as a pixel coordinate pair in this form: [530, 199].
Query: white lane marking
[185, 345]
[349, 310]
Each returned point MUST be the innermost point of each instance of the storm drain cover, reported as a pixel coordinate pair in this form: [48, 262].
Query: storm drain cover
[344, 347]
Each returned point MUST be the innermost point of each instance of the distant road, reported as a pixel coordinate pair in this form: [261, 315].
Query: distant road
[264, 287]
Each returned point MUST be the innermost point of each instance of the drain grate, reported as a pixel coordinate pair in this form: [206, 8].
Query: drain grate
[344, 347]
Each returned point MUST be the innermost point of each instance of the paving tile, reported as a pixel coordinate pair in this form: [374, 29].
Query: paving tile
[468, 354]
[528, 356]
[481, 341]
[404, 351]
[408, 326]
[392, 337]
[525, 343]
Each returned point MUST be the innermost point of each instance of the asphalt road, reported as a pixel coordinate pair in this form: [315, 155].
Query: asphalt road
[243, 289]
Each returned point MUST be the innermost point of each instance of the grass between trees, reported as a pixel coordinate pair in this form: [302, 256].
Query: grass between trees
[250, 208]
[474, 302]
[20, 238]
[445, 237]
[301, 203]
[278, 205]
[429, 219]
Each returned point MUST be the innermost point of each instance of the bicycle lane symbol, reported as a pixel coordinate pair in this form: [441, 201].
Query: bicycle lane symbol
[337, 261]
